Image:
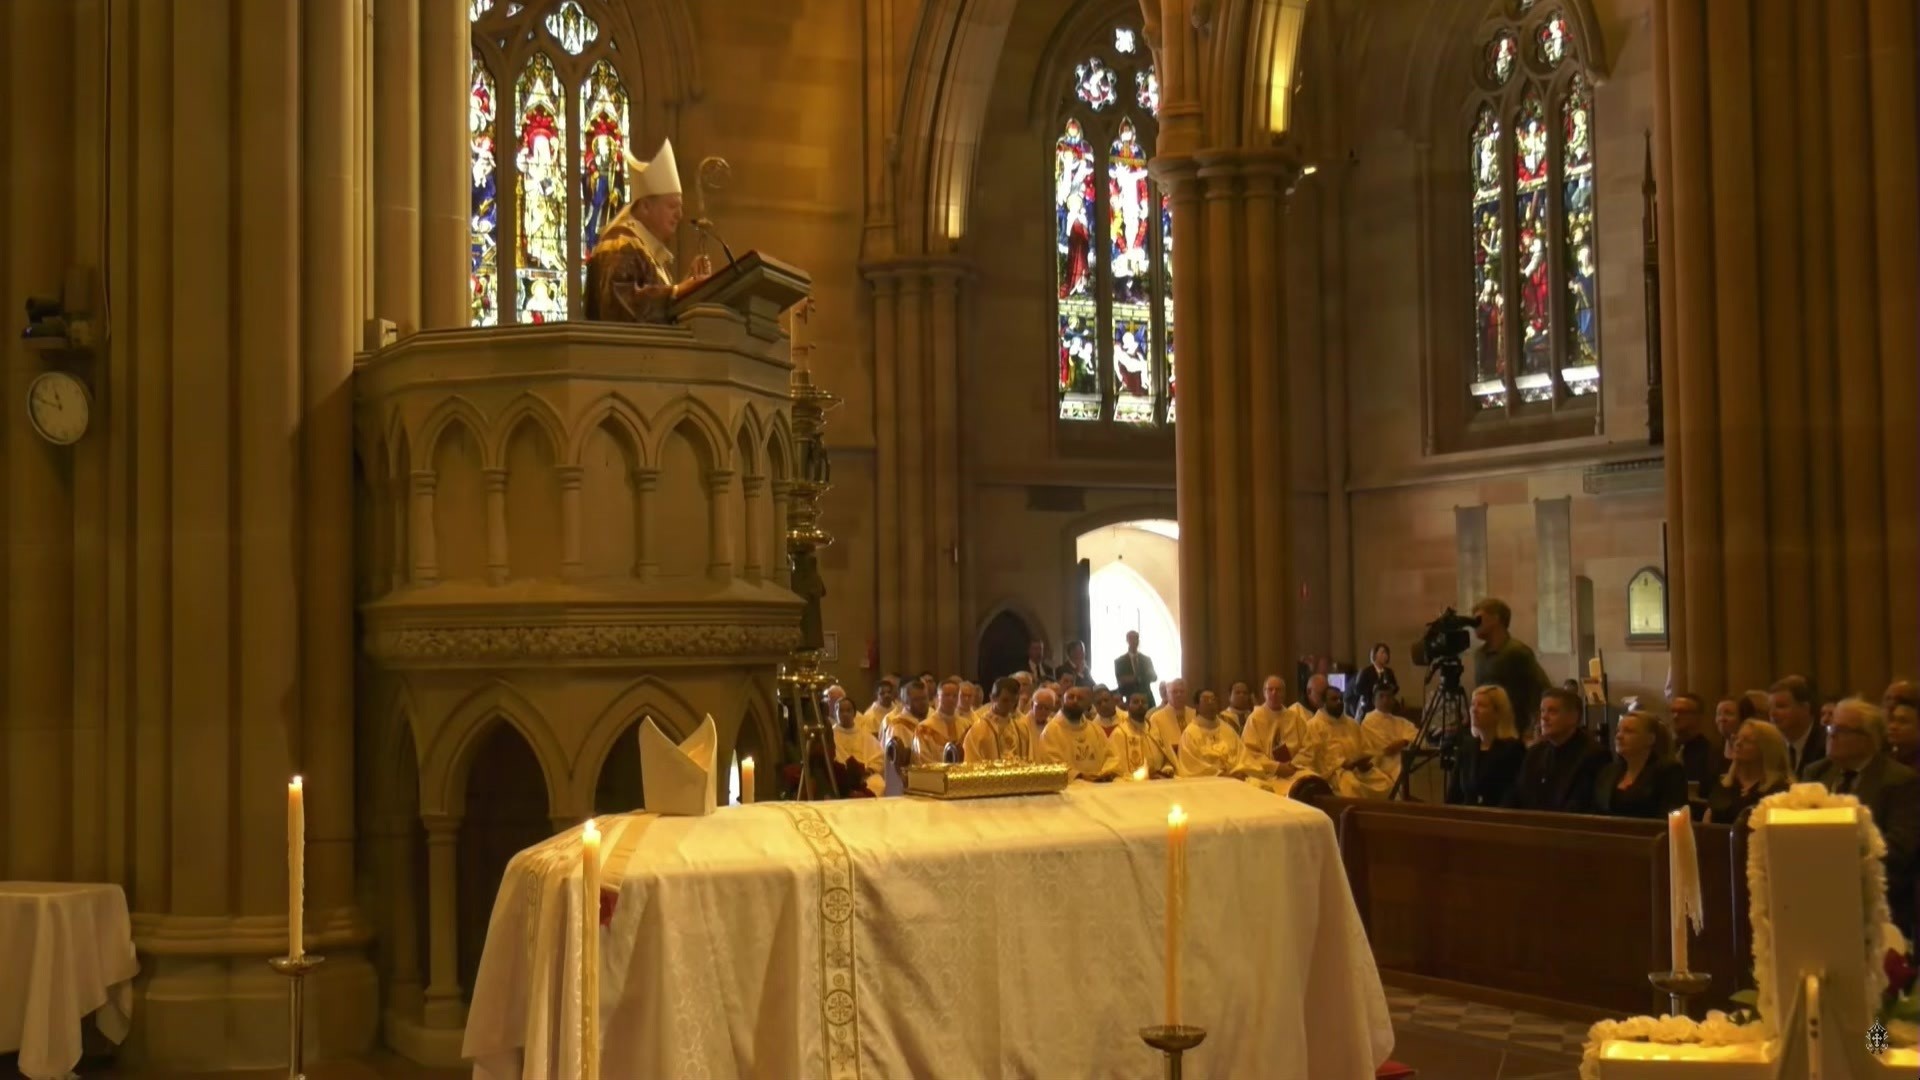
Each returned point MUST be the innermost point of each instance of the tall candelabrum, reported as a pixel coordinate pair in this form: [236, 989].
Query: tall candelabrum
[803, 684]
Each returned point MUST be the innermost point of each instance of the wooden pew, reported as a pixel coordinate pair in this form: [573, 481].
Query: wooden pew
[1561, 914]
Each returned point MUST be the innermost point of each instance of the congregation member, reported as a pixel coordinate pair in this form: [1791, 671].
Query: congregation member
[1071, 739]
[1239, 705]
[1377, 673]
[1134, 745]
[1038, 666]
[1757, 767]
[1790, 705]
[1727, 719]
[1558, 771]
[941, 729]
[1701, 759]
[1386, 734]
[1105, 712]
[1075, 664]
[886, 699]
[1337, 751]
[1643, 780]
[997, 734]
[1857, 764]
[1902, 704]
[1170, 720]
[1488, 754]
[1275, 730]
[1133, 671]
[1208, 745]
[1507, 662]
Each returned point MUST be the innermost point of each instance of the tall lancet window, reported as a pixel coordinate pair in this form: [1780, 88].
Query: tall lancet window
[1112, 242]
[549, 118]
[1534, 351]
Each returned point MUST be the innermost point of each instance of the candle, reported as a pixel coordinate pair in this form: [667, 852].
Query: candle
[1593, 668]
[296, 868]
[1683, 877]
[590, 951]
[746, 780]
[1140, 773]
[1176, 904]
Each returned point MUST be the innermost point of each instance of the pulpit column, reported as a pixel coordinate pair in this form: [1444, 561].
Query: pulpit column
[496, 480]
[444, 1008]
[570, 564]
[404, 919]
[646, 561]
[719, 526]
[782, 572]
[751, 560]
[401, 507]
[420, 533]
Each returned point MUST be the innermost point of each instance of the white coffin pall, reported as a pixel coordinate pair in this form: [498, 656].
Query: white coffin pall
[1817, 948]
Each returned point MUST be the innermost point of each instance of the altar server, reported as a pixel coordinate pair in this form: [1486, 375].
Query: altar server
[1209, 746]
[630, 273]
[941, 728]
[1385, 734]
[1133, 741]
[997, 735]
[1337, 750]
[1072, 740]
[1169, 720]
[1275, 731]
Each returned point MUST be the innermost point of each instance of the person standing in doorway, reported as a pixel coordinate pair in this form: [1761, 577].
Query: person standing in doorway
[1133, 672]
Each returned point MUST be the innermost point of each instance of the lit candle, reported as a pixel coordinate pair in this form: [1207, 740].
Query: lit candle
[590, 951]
[296, 868]
[1593, 668]
[1140, 773]
[746, 780]
[1683, 878]
[1176, 905]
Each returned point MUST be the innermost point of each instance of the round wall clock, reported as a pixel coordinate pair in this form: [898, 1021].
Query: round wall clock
[60, 406]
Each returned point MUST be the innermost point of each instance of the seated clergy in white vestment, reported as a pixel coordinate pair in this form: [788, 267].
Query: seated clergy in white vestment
[886, 701]
[940, 729]
[850, 742]
[1106, 711]
[1337, 750]
[1276, 731]
[997, 734]
[1169, 720]
[1033, 722]
[1210, 746]
[1073, 740]
[1239, 704]
[1386, 734]
[1134, 744]
[903, 726]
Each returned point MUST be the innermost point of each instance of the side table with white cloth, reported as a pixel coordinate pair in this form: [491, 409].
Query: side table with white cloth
[904, 937]
[66, 950]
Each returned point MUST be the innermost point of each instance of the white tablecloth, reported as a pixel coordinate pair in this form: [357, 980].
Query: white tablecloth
[65, 951]
[901, 937]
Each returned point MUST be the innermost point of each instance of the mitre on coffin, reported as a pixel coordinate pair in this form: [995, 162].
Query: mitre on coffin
[677, 779]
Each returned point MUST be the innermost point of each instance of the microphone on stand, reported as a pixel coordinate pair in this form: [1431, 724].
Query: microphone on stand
[705, 227]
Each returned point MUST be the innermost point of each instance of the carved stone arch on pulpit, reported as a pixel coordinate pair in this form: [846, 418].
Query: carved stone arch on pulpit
[749, 439]
[779, 448]
[522, 409]
[688, 413]
[444, 768]
[615, 413]
[455, 409]
[647, 696]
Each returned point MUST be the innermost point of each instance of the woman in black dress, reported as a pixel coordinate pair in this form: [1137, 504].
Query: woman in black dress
[1642, 780]
[1487, 756]
[1759, 767]
[1371, 678]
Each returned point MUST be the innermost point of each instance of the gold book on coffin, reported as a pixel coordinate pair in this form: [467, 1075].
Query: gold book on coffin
[985, 780]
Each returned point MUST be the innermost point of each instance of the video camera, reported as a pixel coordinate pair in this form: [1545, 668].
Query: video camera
[1445, 639]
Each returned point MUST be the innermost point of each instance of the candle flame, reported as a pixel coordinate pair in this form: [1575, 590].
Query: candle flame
[591, 832]
[1176, 816]
[746, 762]
[296, 784]
[1140, 773]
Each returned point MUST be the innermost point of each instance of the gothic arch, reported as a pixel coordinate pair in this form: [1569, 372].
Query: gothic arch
[645, 696]
[750, 441]
[525, 407]
[443, 770]
[779, 448]
[455, 409]
[955, 59]
[1077, 33]
[1442, 57]
[713, 443]
[617, 411]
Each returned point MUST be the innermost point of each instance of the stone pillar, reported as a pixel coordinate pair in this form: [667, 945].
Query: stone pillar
[445, 1007]
[646, 561]
[752, 564]
[400, 509]
[719, 526]
[911, 500]
[887, 435]
[782, 570]
[1786, 164]
[445, 48]
[496, 480]
[396, 182]
[403, 922]
[942, 406]
[420, 534]
[570, 478]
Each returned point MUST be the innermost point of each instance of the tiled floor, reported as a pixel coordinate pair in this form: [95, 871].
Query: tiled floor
[1448, 1039]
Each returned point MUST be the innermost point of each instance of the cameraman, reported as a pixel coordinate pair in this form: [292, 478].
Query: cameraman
[1507, 662]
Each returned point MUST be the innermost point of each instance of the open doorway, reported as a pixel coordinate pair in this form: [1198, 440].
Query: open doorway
[1132, 583]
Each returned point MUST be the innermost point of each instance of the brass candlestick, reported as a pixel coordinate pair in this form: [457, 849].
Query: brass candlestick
[803, 684]
[296, 968]
[1173, 1040]
[1681, 987]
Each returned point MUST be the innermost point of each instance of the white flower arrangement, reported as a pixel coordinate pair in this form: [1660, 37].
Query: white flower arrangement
[1718, 1029]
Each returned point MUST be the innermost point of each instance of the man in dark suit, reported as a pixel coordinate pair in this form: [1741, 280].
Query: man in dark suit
[1037, 664]
[1133, 672]
[1558, 772]
[1700, 758]
[1791, 710]
[1857, 764]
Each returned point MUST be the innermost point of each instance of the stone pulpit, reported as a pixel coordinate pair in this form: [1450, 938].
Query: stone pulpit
[563, 528]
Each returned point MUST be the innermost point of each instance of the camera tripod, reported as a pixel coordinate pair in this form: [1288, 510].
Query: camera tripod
[1443, 718]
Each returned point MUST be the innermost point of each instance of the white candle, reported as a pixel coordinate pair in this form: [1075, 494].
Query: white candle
[1682, 870]
[1176, 905]
[1593, 668]
[1140, 773]
[590, 951]
[746, 780]
[296, 868]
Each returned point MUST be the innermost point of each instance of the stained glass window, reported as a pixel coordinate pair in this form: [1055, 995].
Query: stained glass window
[1535, 343]
[1112, 244]
[484, 292]
[550, 119]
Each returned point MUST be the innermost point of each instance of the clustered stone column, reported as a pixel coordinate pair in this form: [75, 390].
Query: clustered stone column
[1229, 225]
[916, 321]
[1786, 163]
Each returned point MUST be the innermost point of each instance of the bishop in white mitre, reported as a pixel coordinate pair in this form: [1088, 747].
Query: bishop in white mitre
[940, 729]
[997, 734]
[1386, 735]
[1077, 742]
[1210, 746]
[850, 741]
[1276, 732]
[1169, 721]
[1337, 750]
[1134, 745]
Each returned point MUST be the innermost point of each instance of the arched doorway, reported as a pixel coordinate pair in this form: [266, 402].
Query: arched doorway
[1003, 647]
[1133, 583]
[506, 811]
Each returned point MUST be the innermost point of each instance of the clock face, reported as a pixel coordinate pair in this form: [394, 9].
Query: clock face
[59, 406]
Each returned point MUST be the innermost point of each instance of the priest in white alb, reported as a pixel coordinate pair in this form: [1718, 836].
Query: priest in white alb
[886, 701]
[1386, 734]
[997, 734]
[940, 729]
[1275, 732]
[1134, 744]
[901, 727]
[1170, 720]
[1210, 746]
[1337, 750]
[1033, 722]
[1077, 742]
[851, 743]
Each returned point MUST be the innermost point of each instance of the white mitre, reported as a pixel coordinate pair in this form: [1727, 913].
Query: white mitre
[661, 176]
[677, 780]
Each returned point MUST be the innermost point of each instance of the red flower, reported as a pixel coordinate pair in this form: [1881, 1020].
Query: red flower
[609, 899]
[1900, 972]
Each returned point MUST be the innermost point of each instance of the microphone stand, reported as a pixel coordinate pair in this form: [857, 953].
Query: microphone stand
[705, 228]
